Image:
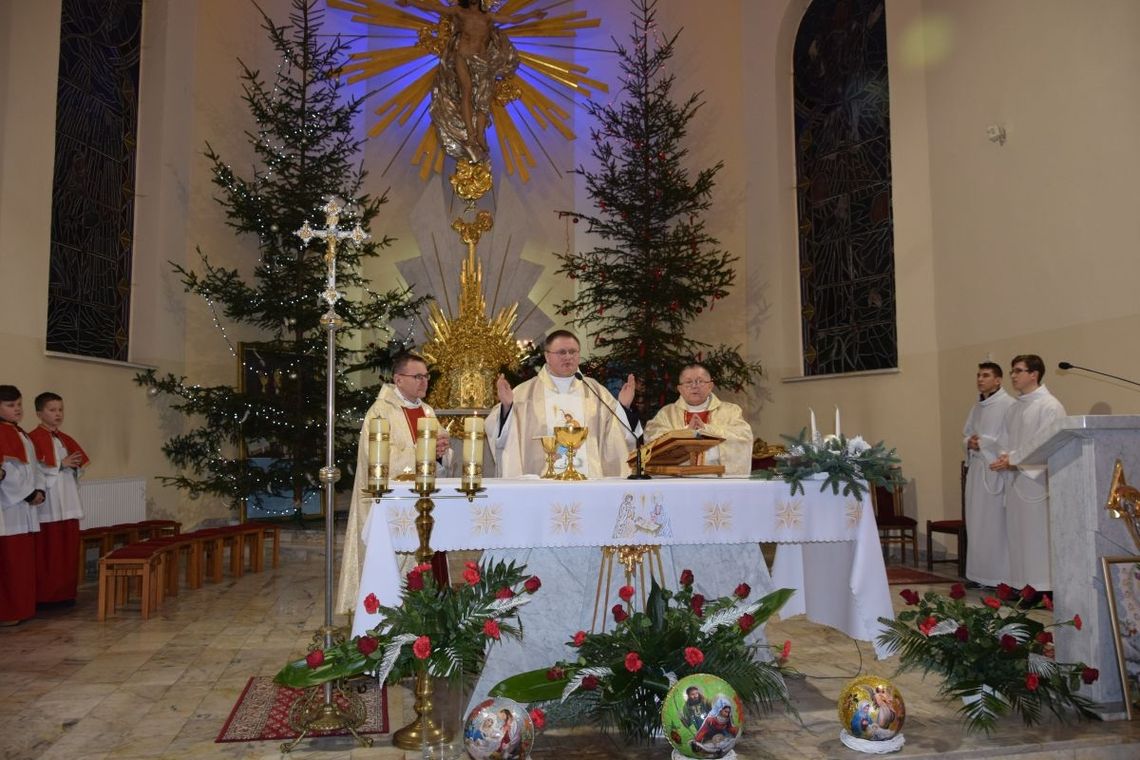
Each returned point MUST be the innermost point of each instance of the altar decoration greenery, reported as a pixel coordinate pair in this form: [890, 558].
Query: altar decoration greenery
[997, 657]
[621, 676]
[449, 628]
[850, 463]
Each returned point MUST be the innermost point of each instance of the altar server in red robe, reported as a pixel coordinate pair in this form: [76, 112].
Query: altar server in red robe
[21, 494]
[57, 543]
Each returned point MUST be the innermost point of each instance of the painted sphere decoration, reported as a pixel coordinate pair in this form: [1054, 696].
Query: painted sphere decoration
[702, 716]
[498, 728]
[871, 708]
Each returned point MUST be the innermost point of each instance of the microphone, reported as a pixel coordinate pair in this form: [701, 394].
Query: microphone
[638, 469]
[1068, 365]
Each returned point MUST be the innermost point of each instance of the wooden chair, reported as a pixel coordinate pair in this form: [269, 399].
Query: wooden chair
[954, 527]
[895, 528]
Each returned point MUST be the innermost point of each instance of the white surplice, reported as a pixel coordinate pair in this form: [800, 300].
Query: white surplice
[987, 553]
[1027, 490]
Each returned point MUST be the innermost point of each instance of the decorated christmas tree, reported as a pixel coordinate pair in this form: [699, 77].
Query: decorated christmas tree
[265, 438]
[658, 267]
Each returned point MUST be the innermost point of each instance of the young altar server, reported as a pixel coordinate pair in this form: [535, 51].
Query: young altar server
[57, 543]
[21, 494]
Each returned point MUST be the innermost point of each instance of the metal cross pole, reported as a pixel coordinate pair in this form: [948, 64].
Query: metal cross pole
[327, 716]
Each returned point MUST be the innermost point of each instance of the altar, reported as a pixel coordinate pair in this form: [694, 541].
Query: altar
[828, 549]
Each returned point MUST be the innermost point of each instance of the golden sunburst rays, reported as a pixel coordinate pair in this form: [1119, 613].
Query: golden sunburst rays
[521, 104]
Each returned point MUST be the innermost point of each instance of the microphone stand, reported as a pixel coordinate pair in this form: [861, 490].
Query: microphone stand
[639, 440]
[1068, 365]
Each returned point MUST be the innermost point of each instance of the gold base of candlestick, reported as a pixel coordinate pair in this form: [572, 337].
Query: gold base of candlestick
[312, 711]
[423, 728]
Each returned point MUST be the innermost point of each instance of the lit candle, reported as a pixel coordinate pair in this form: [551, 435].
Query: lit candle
[814, 432]
[472, 452]
[837, 421]
[426, 430]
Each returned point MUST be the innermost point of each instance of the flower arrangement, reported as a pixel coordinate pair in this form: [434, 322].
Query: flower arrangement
[621, 676]
[449, 629]
[997, 657]
[848, 462]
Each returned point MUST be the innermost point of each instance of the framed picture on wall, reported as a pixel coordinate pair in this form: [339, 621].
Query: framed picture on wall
[1122, 582]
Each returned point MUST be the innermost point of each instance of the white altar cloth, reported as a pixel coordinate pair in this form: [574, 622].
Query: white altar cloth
[829, 549]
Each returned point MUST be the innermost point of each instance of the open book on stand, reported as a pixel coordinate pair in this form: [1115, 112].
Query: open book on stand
[679, 453]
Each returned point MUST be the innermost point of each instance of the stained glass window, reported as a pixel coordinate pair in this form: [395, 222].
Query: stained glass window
[843, 163]
[94, 182]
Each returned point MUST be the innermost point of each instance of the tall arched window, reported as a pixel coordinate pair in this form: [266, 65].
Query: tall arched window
[93, 193]
[843, 166]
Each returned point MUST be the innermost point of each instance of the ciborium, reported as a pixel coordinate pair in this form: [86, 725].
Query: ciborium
[570, 436]
[550, 448]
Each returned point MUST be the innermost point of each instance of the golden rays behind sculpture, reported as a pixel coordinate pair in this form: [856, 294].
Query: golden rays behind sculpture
[470, 349]
[1124, 502]
[534, 107]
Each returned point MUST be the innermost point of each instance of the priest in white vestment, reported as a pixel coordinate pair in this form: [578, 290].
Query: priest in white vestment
[401, 403]
[698, 408]
[1027, 490]
[987, 553]
[557, 396]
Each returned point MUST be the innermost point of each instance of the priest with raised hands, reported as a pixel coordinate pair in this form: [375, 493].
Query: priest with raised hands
[401, 403]
[558, 396]
[699, 409]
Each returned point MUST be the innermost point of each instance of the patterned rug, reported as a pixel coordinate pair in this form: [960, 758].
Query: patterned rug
[898, 575]
[262, 713]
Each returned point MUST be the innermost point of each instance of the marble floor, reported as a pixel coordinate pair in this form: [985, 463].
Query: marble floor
[71, 687]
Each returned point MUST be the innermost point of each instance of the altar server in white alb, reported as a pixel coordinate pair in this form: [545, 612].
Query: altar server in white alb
[556, 397]
[698, 408]
[987, 553]
[401, 403]
[1027, 490]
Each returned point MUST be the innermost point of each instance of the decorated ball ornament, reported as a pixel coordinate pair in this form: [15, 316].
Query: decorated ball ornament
[702, 716]
[872, 712]
[498, 728]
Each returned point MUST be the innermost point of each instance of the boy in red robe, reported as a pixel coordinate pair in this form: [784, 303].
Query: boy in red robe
[21, 493]
[57, 543]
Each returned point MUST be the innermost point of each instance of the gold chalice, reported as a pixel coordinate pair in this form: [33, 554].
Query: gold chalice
[549, 447]
[570, 436]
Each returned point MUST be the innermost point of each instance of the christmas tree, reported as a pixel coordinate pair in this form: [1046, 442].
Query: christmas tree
[659, 266]
[266, 438]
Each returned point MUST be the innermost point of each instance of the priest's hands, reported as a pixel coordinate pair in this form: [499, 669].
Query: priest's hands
[1002, 463]
[974, 443]
[628, 389]
[696, 423]
[505, 392]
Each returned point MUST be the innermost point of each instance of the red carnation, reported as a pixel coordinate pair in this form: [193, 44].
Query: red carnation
[926, 626]
[421, 648]
[989, 601]
[532, 584]
[909, 596]
[686, 577]
[787, 650]
[626, 593]
[538, 718]
[693, 656]
[698, 604]
[633, 663]
[315, 658]
[415, 580]
[471, 574]
[1028, 593]
[504, 593]
[962, 633]
[589, 683]
[619, 613]
[1077, 622]
[743, 590]
[1048, 600]
[1090, 675]
[491, 629]
[1031, 681]
[423, 567]
[746, 622]
[579, 638]
[1004, 591]
[957, 591]
[1008, 643]
[1045, 637]
[555, 674]
[371, 604]
[367, 645]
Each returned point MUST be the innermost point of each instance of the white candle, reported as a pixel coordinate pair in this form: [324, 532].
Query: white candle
[814, 432]
[837, 421]
[472, 452]
[426, 428]
[378, 453]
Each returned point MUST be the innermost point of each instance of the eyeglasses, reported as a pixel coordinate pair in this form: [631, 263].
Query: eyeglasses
[694, 383]
[566, 352]
[418, 378]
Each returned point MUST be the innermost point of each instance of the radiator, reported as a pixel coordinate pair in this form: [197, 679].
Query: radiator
[112, 501]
